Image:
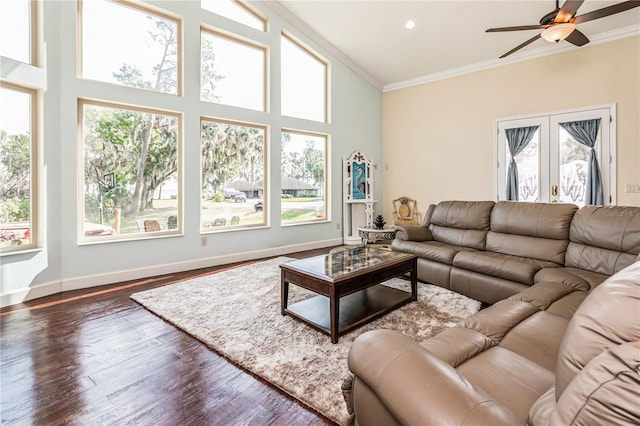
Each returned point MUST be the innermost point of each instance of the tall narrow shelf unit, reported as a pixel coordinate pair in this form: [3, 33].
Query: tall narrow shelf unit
[358, 196]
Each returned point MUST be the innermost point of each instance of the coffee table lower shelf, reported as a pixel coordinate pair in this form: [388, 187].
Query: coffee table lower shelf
[355, 309]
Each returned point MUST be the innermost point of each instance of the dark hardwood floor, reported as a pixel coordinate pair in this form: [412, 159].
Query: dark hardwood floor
[95, 357]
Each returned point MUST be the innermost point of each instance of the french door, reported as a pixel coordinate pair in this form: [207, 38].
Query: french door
[554, 166]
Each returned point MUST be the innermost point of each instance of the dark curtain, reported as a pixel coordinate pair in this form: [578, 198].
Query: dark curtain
[586, 133]
[517, 140]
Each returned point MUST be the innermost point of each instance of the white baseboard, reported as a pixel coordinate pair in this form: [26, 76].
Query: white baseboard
[77, 283]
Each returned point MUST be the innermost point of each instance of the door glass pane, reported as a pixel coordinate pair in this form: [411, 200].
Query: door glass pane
[528, 162]
[574, 166]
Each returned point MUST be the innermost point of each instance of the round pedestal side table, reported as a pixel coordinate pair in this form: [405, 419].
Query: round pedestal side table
[372, 235]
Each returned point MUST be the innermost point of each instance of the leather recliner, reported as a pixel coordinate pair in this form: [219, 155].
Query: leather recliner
[552, 354]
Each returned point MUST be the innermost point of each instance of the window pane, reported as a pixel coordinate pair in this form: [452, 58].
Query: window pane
[126, 46]
[130, 172]
[528, 163]
[15, 169]
[232, 10]
[232, 176]
[304, 78]
[574, 168]
[232, 72]
[303, 177]
[15, 30]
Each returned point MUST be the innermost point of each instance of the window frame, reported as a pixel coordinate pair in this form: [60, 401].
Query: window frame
[327, 177]
[177, 232]
[143, 8]
[266, 173]
[252, 44]
[327, 75]
[34, 158]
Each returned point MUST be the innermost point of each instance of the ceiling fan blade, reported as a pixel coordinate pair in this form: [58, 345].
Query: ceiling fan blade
[577, 38]
[520, 46]
[568, 9]
[519, 28]
[606, 11]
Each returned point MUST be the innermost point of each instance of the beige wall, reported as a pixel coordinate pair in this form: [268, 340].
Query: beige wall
[438, 141]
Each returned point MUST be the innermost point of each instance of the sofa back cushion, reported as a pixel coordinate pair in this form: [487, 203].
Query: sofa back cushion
[461, 223]
[604, 239]
[608, 317]
[534, 230]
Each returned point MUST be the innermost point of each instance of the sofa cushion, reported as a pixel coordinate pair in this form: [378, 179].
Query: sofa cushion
[537, 338]
[525, 246]
[513, 268]
[431, 250]
[541, 410]
[541, 220]
[463, 214]
[461, 223]
[535, 230]
[508, 377]
[608, 317]
[605, 391]
[578, 278]
[595, 259]
[456, 345]
[604, 239]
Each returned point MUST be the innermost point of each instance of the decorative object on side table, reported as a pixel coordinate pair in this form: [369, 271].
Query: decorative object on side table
[379, 222]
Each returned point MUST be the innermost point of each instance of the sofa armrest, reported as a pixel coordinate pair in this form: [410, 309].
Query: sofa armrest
[417, 387]
[413, 233]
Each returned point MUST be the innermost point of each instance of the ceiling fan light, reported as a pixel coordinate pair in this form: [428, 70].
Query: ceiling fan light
[558, 32]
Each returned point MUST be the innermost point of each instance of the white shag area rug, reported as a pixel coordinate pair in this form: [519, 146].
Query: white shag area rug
[237, 313]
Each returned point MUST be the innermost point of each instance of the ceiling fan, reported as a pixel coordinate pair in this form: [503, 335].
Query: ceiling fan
[560, 23]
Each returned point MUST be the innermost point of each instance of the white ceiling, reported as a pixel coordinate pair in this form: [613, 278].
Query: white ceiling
[449, 36]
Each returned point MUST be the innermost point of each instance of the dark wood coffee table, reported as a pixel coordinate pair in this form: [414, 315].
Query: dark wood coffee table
[348, 284]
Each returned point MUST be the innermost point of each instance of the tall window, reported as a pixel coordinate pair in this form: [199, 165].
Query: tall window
[131, 46]
[232, 72]
[16, 32]
[17, 166]
[236, 10]
[303, 177]
[304, 82]
[233, 175]
[131, 174]
[554, 166]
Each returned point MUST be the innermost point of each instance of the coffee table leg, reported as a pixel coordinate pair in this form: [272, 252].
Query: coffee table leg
[414, 281]
[284, 293]
[334, 313]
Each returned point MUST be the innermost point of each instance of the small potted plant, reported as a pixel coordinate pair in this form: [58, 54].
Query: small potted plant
[379, 222]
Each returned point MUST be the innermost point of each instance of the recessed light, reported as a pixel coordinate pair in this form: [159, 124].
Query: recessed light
[410, 24]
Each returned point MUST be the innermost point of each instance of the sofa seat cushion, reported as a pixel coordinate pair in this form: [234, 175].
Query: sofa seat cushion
[553, 297]
[512, 268]
[578, 278]
[431, 250]
[520, 381]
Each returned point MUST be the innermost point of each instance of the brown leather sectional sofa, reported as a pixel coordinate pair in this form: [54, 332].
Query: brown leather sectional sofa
[559, 346]
[490, 251]
[551, 355]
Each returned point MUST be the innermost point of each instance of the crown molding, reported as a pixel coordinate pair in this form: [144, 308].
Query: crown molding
[550, 49]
